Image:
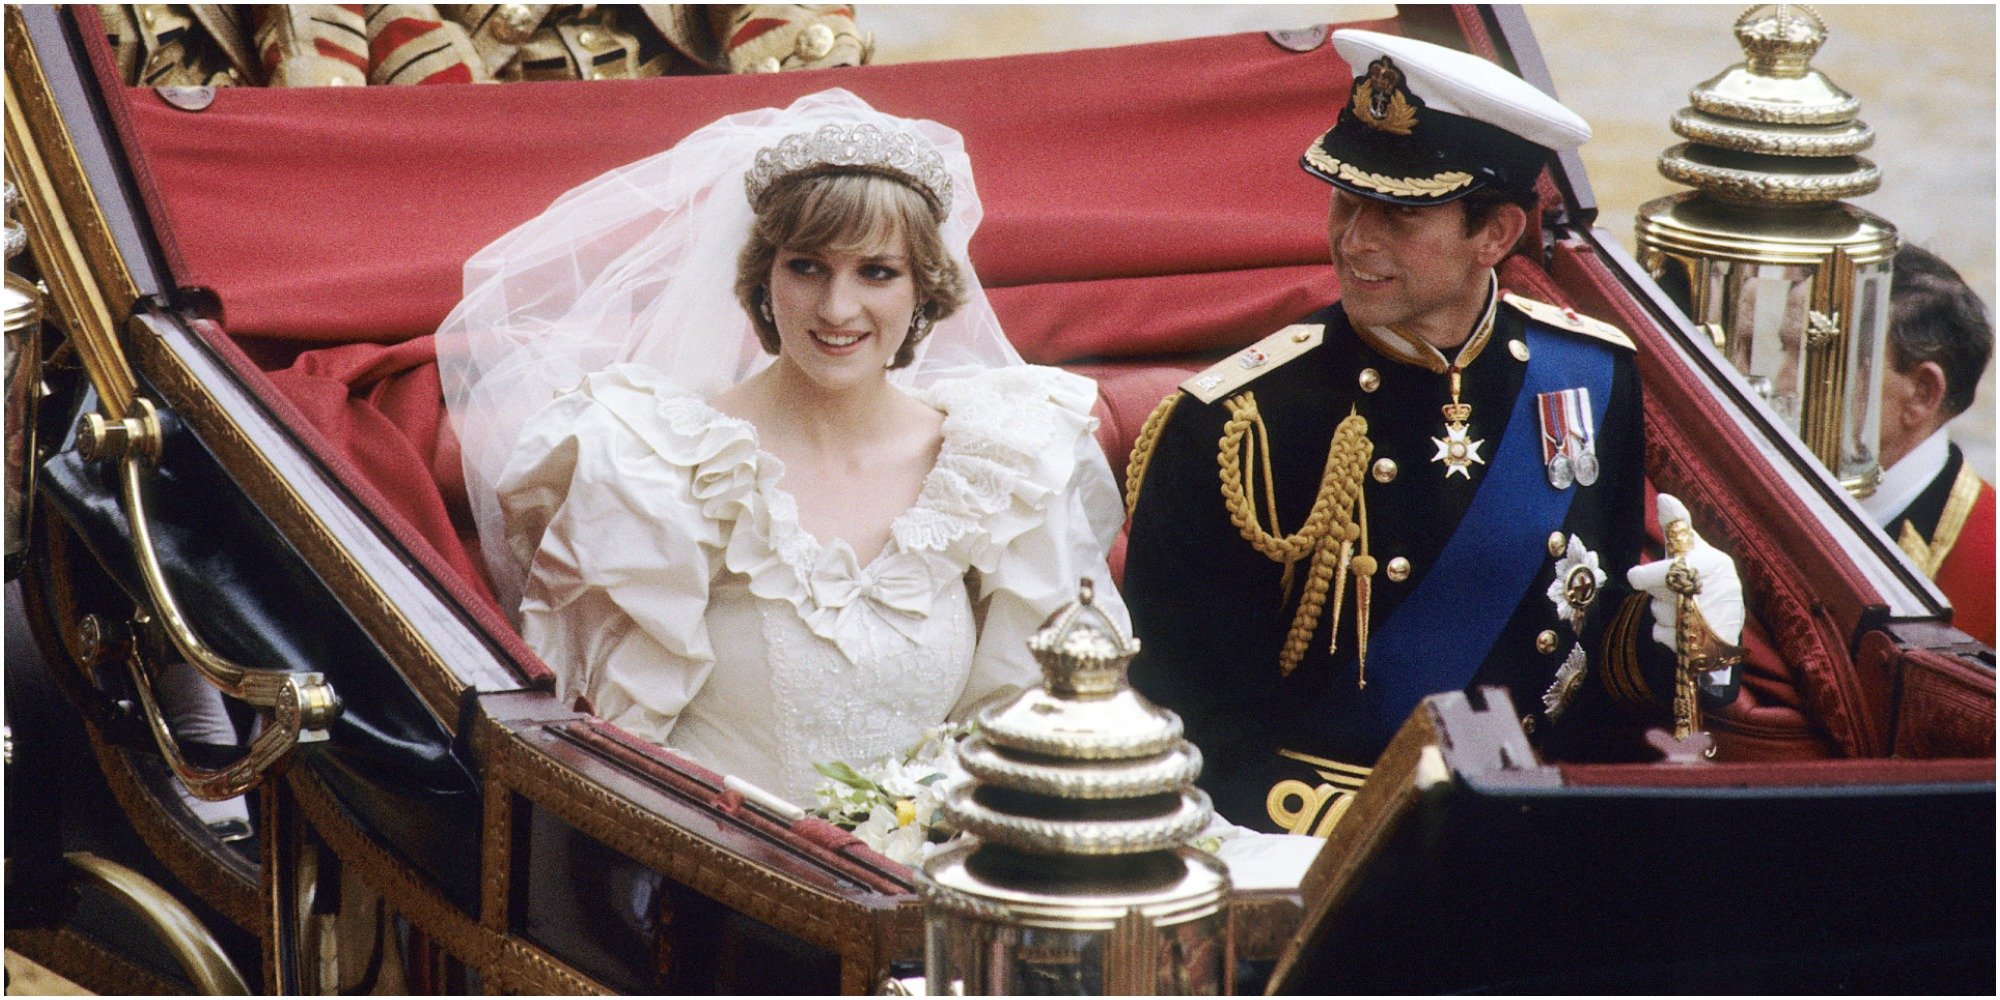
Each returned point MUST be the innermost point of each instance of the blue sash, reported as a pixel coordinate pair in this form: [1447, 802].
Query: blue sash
[1444, 630]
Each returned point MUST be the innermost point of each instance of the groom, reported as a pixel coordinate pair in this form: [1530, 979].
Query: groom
[1431, 485]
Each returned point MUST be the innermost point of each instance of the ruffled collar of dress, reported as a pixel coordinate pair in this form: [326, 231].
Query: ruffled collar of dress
[1006, 452]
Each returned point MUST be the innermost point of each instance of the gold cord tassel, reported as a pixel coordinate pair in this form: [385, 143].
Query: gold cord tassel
[1330, 532]
[1340, 589]
[1364, 573]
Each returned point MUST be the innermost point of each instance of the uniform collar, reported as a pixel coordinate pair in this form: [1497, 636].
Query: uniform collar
[1903, 482]
[1402, 347]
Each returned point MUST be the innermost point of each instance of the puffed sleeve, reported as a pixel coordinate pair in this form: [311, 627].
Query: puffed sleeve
[607, 501]
[1062, 515]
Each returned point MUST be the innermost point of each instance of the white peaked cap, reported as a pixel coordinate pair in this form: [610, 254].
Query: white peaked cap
[1463, 84]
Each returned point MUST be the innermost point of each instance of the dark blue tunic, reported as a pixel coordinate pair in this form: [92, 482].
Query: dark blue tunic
[1212, 616]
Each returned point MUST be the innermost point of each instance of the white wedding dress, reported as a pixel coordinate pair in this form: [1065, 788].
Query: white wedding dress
[671, 584]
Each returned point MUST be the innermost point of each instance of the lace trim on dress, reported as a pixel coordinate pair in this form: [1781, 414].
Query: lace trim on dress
[1009, 447]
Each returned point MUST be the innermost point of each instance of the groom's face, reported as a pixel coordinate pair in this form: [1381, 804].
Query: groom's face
[1411, 267]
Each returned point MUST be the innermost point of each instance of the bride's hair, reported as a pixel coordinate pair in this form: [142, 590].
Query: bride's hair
[849, 212]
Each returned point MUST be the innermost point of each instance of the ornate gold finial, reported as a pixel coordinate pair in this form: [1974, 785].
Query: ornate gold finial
[1780, 39]
[1078, 799]
[1080, 650]
[1799, 129]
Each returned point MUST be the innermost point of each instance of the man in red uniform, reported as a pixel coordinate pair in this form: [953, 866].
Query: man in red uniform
[1930, 501]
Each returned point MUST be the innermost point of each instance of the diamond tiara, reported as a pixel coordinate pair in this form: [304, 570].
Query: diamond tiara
[863, 147]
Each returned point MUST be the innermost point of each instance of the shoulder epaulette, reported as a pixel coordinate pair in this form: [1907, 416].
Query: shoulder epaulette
[1563, 318]
[1240, 369]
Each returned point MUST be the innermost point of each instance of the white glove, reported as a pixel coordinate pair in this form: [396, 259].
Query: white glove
[1720, 598]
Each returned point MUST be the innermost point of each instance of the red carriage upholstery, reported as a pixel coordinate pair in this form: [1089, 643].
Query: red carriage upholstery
[1168, 224]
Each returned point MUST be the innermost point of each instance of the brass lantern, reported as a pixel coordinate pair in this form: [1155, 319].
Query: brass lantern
[1076, 878]
[1792, 283]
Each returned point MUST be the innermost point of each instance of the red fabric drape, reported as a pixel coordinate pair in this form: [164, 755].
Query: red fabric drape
[335, 216]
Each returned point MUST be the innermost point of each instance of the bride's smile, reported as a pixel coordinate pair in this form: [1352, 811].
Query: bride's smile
[842, 315]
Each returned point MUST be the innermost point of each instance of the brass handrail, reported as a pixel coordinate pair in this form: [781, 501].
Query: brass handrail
[302, 704]
[284, 730]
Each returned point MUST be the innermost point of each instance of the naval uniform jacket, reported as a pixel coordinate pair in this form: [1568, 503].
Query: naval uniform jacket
[1284, 751]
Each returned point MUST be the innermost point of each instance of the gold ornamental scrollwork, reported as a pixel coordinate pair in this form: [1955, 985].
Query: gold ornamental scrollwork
[1765, 187]
[1746, 139]
[215, 874]
[506, 962]
[521, 761]
[92, 291]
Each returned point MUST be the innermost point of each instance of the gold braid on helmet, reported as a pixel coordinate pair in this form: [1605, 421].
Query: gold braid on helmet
[1142, 448]
[1331, 531]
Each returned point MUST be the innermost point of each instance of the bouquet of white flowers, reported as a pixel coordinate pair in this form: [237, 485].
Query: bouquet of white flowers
[895, 805]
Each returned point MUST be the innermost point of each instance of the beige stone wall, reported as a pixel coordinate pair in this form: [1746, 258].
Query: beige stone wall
[1925, 75]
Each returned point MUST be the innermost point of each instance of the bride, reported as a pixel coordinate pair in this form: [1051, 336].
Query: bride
[750, 457]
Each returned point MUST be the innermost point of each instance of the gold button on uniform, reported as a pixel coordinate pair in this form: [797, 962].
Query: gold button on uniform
[1518, 349]
[1301, 337]
[1546, 642]
[1399, 569]
[1370, 380]
[586, 38]
[1557, 544]
[1385, 470]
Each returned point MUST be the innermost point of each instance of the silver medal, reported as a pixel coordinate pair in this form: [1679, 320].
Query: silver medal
[1560, 476]
[1586, 468]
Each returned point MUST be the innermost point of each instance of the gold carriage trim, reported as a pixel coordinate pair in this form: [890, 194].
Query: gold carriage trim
[1434, 186]
[1930, 555]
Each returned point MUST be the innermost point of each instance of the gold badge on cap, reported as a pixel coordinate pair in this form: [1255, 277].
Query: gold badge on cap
[1381, 101]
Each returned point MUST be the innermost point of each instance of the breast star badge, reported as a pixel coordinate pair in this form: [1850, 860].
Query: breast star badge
[1579, 576]
[1457, 450]
[1568, 679]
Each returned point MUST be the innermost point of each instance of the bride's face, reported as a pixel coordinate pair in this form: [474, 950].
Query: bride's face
[842, 315]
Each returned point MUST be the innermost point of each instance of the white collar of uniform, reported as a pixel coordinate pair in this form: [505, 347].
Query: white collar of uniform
[1903, 482]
